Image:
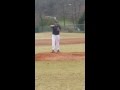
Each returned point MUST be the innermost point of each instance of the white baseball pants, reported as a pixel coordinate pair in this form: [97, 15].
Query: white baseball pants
[55, 42]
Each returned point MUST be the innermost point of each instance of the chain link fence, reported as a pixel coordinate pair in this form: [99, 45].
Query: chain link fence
[71, 28]
[74, 28]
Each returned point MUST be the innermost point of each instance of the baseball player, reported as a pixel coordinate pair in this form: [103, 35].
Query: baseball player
[55, 37]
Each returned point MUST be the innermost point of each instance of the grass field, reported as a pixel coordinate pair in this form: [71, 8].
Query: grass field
[60, 75]
[64, 48]
[47, 35]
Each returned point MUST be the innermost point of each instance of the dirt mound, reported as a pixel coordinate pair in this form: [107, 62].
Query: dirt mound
[60, 56]
[62, 41]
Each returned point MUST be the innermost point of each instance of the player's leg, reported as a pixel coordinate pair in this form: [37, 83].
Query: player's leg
[58, 43]
[53, 43]
[55, 37]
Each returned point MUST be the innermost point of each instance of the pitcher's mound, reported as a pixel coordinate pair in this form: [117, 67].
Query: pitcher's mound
[60, 56]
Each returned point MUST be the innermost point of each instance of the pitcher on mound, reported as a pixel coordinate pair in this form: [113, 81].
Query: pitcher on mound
[55, 37]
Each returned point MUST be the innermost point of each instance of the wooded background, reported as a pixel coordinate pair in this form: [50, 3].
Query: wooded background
[66, 12]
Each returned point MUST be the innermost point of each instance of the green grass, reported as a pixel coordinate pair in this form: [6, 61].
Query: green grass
[59, 75]
[47, 35]
[63, 48]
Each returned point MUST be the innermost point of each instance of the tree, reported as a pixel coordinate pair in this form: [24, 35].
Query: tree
[64, 10]
[82, 19]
